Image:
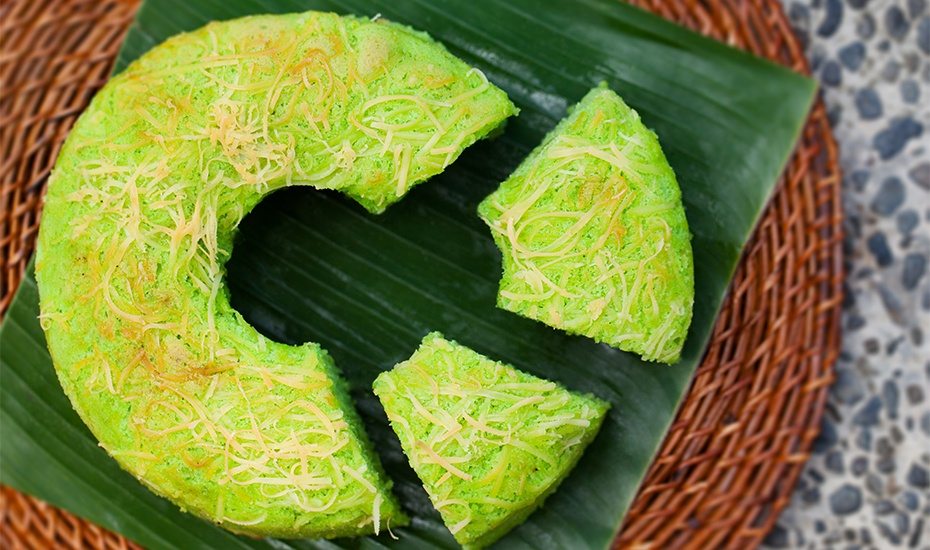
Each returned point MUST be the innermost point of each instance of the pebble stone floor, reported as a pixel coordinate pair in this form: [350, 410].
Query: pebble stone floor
[867, 484]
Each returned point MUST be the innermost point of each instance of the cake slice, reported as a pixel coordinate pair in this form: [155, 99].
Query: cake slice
[593, 233]
[489, 442]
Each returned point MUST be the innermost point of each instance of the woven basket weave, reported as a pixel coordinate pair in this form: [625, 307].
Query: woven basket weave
[735, 450]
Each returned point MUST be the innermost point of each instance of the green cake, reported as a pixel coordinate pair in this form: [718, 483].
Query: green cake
[489, 442]
[141, 211]
[593, 233]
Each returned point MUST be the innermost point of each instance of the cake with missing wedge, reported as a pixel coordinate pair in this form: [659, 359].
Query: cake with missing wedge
[593, 233]
[141, 213]
[489, 442]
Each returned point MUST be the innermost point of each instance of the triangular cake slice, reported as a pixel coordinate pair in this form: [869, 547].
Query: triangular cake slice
[489, 442]
[593, 233]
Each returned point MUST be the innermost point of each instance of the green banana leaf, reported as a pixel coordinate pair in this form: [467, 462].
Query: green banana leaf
[310, 265]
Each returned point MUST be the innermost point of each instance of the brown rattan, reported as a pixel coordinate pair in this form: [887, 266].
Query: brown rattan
[739, 441]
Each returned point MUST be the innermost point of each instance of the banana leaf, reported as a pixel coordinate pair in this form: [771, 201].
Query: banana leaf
[311, 266]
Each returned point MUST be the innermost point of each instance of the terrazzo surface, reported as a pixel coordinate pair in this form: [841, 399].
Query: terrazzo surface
[867, 484]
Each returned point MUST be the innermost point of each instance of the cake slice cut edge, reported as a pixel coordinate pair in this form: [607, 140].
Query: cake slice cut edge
[488, 442]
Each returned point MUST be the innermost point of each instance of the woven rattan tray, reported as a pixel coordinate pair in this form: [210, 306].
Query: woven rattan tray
[737, 446]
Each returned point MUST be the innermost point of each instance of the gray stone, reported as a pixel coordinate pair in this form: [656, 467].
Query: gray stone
[874, 484]
[853, 229]
[888, 533]
[819, 526]
[811, 496]
[854, 322]
[891, 71]
[864, 440]
[896, 435]
[890, 141]
[884, 507]
[860, 178]
[918, 477]
[920, 175]
[868, 104]
[817, 56]
[916, 7]
[832, 19]
[859, 465]
[878, 246]
[914, 541]
[777, 537]
[834, 462]
[900, 523]
[907, 221]
[892, 304]
[915, 266]
[891, 347]
[915, 394]
[896, 23]
[910, 91]
[831, 74]
[846, 500]
[886, 465]
[835, 115]
[826, 438]
[925, 423]
[884, 447]
[865, 26]
[847, 388]
[799, 18]
[909, 500]
[890, 196]
[923, 34]
[890, 398]
[851, 56]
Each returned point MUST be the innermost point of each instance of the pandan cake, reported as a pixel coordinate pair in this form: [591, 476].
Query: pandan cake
[489, 442]
[141, 210]
[593, 233]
